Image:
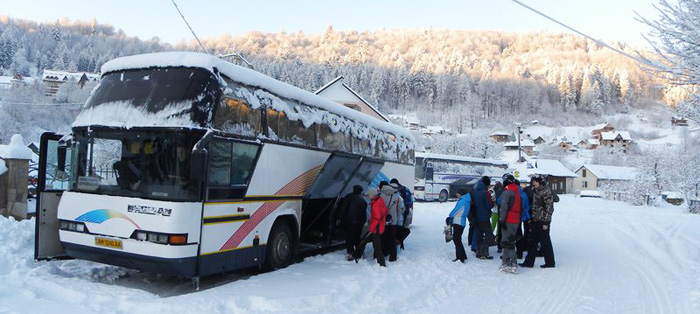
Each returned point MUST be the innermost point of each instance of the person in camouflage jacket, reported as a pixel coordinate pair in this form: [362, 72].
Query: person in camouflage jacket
[541, 212]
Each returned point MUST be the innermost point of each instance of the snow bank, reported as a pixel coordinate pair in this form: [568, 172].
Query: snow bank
[16, 149]
[610, 258]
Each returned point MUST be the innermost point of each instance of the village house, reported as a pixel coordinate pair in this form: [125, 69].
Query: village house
[559, 178]
[500, 136]
[527, 146]
[592, 143]
[600, 128]
[616, 139]
[679, 121]
[582, 144]
[564, 145]
[54, 79]
[590, 177]
[341, 93]
[539, 140]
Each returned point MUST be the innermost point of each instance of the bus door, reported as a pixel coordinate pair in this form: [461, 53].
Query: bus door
[53, 179]
[337, 177]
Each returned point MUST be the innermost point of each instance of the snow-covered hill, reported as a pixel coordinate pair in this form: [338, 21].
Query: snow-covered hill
[611, 258]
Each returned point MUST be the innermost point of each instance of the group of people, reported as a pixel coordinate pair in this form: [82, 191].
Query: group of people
[523, 218]
[387, 211]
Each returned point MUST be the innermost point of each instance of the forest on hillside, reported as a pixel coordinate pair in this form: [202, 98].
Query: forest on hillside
[459, 79]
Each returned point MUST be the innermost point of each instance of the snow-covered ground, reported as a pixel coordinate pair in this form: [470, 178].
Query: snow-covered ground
[611, 258]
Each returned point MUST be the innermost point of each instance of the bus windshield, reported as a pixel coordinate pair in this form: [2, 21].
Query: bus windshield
[151, 164]
[156, 89]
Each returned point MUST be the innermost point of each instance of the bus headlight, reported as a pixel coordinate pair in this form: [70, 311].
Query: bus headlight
[160, 238]
[72, 226]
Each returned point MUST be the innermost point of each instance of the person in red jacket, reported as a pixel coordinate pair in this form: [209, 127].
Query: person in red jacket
[509, 218]
[377, 220]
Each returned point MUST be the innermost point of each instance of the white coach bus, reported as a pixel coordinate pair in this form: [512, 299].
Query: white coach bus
[182, 163]
[438, 175]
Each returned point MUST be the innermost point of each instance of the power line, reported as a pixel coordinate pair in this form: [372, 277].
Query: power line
[598, 41]
[188, 26]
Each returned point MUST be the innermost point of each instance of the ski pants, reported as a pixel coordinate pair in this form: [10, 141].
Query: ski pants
[353, 236]
[524, 242]
[483, 237]
[509, 235]
[457, 239]
[389, 242]
[376, 244]
[540, 236]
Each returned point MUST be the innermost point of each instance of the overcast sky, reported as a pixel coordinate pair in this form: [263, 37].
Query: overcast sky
[604, 19]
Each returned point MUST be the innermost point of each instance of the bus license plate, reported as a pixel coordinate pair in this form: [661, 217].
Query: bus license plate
[117, 244]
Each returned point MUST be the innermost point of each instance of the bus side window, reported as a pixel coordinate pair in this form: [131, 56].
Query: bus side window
[236, 116]
[231, 165]
[294, 131]
[335, 141]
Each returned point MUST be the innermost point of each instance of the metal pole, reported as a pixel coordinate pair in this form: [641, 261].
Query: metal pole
[519, 153]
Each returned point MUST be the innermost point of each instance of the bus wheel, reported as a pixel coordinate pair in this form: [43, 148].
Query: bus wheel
[443, 196]
[280, 247]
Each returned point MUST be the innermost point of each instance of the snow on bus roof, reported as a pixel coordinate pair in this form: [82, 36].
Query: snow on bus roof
[494, 162]
[248, 77]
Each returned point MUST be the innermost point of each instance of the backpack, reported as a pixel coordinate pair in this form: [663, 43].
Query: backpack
[407, 197]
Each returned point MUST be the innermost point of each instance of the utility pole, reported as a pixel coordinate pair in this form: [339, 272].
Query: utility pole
[520, 157]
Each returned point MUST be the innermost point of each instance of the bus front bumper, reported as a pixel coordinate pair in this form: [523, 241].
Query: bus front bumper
[185, 266]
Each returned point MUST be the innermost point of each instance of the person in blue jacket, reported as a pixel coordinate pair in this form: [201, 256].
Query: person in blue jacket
[524, 230]
[458, 220]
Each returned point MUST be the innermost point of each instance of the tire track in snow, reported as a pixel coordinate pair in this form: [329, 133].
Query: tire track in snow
[657, 299]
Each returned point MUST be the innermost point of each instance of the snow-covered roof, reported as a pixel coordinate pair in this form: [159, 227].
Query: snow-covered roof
[51, 75]
[251, 78]
[601, 126]
[523, 143]
[6, 79]
[604, 172]
[593, 141]
[551, 167]
[609, 136]
[500, 133]
[16, 149]
[671, 194]
[433, 129]
[475, 160]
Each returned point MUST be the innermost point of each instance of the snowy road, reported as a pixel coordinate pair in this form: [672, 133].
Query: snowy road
[611, 258]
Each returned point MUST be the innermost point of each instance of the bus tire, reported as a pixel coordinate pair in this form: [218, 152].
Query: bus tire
[279, 252]
[443, 196]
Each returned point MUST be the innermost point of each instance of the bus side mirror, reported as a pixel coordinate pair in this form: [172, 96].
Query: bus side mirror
[429, 173]
[61, 158]
[198, 166]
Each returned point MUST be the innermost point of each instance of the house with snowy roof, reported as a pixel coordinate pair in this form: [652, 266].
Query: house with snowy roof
[616, 139]
[592, 143]
[590, 176]
[527, 146]
[560, 179]
[603, 127]
[679, 121]
[539, 140]
[54, 79]
[500, 136]
[341, 93]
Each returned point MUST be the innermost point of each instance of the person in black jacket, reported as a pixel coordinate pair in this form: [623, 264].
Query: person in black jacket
[353, 214]
[482, 216]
